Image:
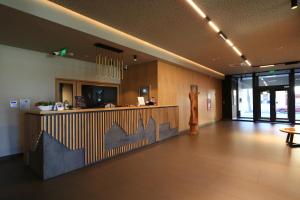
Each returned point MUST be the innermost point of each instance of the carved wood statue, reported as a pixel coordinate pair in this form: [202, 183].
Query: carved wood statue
[193, 95]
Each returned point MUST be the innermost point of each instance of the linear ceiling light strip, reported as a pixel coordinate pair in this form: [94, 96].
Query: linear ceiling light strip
[217, 30]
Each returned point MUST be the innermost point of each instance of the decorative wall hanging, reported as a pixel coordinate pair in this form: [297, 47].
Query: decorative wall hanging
[109, 62]
[209, 99]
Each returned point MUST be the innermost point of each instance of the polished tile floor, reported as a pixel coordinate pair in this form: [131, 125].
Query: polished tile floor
[228, 160]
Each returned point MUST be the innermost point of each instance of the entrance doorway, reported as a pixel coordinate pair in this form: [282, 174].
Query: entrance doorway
[274, 104]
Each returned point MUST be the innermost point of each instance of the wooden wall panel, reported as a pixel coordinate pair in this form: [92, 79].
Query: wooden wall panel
[171, 86]
[135, 77]
[173, 89]
[87, 130]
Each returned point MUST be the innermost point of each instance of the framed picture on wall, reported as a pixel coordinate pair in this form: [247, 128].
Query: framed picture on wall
[209, 100]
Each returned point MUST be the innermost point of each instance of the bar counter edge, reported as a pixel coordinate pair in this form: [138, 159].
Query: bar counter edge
[57, 142]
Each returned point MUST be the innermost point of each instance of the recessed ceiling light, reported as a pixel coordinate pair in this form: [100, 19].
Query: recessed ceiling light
[248, 63]
[294, 4]
[196, 8]
[134, 58]
[264, 66]
[237, 51]
[214, 26]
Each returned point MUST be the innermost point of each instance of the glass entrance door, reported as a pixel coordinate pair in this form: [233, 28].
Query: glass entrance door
[265, 106]
[281, 104]
[274, 105]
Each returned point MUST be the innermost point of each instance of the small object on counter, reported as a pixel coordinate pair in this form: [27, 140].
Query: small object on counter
[58, 106]
[66, 105]
[110, 105]
[128, 105]
[152, 102]
[44, 105]
[80, 102]
[141, 101]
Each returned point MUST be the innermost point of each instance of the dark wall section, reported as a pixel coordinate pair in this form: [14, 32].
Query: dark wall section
[256, 98]
[226, 98]
[291, 98]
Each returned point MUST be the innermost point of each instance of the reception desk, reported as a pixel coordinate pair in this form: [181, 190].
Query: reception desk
[57, 142]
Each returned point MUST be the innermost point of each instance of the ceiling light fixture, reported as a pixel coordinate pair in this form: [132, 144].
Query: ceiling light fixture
[217, 30]
[294, 4]
[264, 66]
[224, 37]
[196, 8]
[237, 51]
[109, 62]
[221, 34]
[248, 63]
[214, 26]
[134, 58]
[229, 42]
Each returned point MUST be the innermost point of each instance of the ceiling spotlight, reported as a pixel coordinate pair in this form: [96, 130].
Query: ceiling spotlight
[214, 26]
[264, 66]
[237, 51]
[134, 58]
[196, 8]
[294, 4]
[248, 63]
[221, 34]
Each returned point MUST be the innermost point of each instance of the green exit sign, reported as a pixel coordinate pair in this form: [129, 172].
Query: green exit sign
[63, 52]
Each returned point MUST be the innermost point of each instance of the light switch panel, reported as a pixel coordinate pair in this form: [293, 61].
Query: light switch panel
[13, 104]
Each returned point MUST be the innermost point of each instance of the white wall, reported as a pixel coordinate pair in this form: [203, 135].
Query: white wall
[31, 74]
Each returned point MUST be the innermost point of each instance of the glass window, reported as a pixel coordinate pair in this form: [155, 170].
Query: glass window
[265, 111]
[281, 104]
[245, 97]
[297, 96]
[234, 89]
[234, 104]
[273, 80]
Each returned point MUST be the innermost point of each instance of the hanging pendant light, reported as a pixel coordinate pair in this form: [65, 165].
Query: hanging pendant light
[109, 62]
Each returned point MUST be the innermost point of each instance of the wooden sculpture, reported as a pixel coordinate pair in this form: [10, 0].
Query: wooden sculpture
[193, 95]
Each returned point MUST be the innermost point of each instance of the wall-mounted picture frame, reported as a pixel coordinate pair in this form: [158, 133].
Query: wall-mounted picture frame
[209, 96]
